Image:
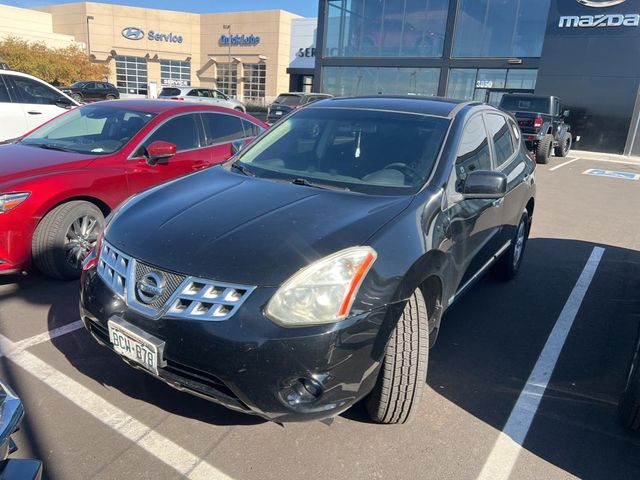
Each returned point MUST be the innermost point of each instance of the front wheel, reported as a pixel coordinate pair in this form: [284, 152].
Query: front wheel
[509, 264]
[64, 237]
[77, 97]
[398, 392]
[110, 97]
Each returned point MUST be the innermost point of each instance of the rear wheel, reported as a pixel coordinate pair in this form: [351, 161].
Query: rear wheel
[111, 97]
[562, 150]
[398, 392]
[629, 405]
[64, 237]
[77, 97]
[545, 149]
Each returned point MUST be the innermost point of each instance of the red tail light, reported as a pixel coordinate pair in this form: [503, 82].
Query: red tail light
[537, 123]
[177, 98]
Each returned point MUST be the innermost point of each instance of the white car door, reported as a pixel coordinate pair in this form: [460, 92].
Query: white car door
[12, 121]
[38, 101]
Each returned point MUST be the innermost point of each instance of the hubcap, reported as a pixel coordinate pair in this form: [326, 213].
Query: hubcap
[80, 239]
[517, 250]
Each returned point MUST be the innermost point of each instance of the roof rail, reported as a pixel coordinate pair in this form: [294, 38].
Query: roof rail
[462, 105]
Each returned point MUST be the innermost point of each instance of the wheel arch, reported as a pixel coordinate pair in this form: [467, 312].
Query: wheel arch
[104, 208]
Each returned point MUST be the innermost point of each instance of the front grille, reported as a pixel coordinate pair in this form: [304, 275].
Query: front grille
[182, 296]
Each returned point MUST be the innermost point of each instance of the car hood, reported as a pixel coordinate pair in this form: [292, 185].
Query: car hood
[18, 161]
[232, 228]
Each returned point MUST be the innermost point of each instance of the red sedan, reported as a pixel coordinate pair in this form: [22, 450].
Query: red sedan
[59, 182]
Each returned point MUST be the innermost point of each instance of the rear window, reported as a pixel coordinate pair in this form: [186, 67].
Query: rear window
[169, 92]
[525, 104]
[290, 100]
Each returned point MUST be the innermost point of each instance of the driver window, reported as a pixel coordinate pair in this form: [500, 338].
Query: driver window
[473, 152]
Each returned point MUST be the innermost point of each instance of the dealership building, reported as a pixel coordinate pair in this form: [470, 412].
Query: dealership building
[584, 51]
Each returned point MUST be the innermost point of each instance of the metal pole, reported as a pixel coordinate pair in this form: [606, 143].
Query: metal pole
[228, 27]
[89, 17]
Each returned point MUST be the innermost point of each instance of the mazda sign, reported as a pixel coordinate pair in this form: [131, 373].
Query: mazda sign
[601, 3]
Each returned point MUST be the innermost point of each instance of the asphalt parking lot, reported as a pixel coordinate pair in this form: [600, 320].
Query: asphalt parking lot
[91, 416]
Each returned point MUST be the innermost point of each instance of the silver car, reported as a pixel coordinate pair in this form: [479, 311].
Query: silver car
[204, 95]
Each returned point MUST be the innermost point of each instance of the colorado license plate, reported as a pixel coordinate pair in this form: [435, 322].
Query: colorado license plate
[133, 346]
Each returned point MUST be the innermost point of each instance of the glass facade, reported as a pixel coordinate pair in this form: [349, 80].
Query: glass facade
[479, 84]
[175, 73]
[351, 81]
[227, 80]
[386, 28]
[131, 75]
[255, 77]
[500, 28]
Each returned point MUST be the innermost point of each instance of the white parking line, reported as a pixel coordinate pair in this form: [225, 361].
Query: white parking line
[173, 455]
[564, 164]
[46, 336]
[504, 454]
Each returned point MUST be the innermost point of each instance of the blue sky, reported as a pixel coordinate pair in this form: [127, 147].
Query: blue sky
[306, 8]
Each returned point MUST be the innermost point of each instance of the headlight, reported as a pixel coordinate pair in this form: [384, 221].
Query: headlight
[324, 291]
[12, 200]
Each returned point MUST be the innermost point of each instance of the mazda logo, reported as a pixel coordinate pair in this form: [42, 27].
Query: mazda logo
[150, 287]
[133, 33]
[601, 3]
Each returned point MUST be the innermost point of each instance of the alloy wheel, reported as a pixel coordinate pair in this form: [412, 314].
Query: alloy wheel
[517, 250]
[80, 239]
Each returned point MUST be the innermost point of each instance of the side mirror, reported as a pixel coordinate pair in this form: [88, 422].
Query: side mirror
[237, 146]
[485, 184]
[566, 113]
[160, 150]
[64, 102]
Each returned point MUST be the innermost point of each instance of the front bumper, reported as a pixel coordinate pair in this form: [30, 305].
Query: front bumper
[250, 364]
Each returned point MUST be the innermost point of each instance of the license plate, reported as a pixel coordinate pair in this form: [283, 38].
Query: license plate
[133, 346]
[278, 114]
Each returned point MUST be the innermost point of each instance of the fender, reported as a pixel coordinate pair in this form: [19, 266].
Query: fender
[562, 132]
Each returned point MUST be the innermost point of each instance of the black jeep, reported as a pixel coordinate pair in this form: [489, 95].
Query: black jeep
[542, 122]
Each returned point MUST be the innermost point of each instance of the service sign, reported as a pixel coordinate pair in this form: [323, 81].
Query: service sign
[135, 33]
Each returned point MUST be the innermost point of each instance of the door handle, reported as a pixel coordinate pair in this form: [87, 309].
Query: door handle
[498, 202]
[34, 112]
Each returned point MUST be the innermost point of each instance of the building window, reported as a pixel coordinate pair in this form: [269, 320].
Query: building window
[174, 73]
[255, 77]
[228, 79]
[500, 29]
[131, 75]
[348, 81]
[489, 84]
[386, 28]
[307, 83]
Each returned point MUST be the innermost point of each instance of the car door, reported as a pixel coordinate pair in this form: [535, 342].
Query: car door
[99, 91]
[183, 130]
[38, 101]
[222, 131]
[475, 224]
[13, 122]
[89, 91]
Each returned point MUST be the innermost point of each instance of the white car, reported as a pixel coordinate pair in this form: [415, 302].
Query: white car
[209, 96]
[26, 102]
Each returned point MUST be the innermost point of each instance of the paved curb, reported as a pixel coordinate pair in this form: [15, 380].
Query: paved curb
[604, 156]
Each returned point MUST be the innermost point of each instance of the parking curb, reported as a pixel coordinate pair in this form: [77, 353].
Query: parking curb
[604, 156]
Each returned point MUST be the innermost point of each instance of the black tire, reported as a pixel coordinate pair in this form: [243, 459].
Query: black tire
[563, 149]
[545, 149]
[629, 404]
[509, 263]
[77, 97]
[111, 97]
[52, 244]
[238, 109]
[403, 374]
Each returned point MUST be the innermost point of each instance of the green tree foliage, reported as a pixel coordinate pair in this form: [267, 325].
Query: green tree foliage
[61, 66]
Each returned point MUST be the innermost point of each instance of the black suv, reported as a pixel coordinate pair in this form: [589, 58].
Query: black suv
[91, 91]
[543, 125]
[312, 270]
[288, 102]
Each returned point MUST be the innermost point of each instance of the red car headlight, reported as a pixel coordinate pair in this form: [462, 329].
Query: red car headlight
[10, 201]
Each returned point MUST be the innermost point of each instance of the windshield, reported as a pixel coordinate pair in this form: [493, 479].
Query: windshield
[365, 151]
[92, 129]
[78, 84]
[290, 100]
[525, 104]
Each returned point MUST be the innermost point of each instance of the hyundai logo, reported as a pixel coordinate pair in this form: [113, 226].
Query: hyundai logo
[150, 287]
[601, 3]
[133, 33]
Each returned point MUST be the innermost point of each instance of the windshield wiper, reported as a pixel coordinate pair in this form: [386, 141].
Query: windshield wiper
[242, 169]
[50, 146]
[307, 183]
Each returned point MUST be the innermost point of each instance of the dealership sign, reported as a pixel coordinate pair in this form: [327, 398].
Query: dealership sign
[135, 33]
[605, 20]
[239, 40]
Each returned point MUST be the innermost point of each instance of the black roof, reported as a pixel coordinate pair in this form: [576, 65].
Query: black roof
[441, 107]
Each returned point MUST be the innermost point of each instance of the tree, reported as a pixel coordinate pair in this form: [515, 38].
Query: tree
[61, 66]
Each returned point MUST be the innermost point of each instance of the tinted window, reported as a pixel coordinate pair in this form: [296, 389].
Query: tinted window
[32, 91]
[4, 93]
[181, 131]
[353, 149]
[513, 103]
[499, 28]
[290, 100]
[89, 85]
[473, 153]
[251, 129]
[502, 141]
[100, 86]
[222, 128]
[170, 92]
[92, 129]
